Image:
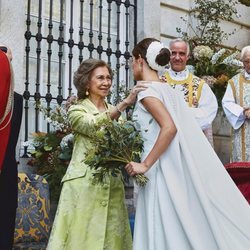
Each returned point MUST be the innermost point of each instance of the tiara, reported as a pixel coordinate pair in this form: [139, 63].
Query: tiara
[153, 50]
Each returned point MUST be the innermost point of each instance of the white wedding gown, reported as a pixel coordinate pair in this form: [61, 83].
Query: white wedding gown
[190, 202]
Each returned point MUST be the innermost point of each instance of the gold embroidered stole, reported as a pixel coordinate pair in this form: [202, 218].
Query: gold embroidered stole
[191, 86]
[239, 87]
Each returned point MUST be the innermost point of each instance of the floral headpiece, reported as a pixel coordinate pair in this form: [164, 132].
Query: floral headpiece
[153, 50]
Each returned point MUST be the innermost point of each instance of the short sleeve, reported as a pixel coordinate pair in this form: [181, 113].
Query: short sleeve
[151, 91]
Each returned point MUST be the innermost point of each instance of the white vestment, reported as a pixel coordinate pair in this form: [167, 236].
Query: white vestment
[207, 107]
[192, 87]
[237, 96]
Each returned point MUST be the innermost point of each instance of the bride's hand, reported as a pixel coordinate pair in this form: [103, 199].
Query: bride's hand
[134, 168]
[140, 86]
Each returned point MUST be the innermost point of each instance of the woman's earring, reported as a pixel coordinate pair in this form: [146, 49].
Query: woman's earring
[87, 93]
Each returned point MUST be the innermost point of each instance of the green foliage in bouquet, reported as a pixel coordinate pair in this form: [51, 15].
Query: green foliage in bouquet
[114, 145]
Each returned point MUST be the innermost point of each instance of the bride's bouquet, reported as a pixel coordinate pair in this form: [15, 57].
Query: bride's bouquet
[115, 143]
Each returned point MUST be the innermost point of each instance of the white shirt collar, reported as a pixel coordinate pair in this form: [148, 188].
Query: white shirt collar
[181, 75]
[247, 75]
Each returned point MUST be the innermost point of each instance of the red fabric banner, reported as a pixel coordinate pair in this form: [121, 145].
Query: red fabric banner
[240, 173]
[5, 82]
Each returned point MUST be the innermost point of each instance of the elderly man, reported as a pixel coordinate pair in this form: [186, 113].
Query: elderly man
[196, 92]
[236, 105]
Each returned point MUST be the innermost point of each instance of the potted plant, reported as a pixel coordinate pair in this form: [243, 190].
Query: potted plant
[52, 150]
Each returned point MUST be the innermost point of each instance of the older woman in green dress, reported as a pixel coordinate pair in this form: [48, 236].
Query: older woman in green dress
[91, 217]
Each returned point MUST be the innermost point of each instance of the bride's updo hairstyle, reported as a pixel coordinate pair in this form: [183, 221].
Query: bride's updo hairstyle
[153, 52]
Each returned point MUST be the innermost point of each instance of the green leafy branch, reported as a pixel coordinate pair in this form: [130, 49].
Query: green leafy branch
[209, 15]
[114, 144]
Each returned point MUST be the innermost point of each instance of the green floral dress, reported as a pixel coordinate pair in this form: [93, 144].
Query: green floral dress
[89, 217]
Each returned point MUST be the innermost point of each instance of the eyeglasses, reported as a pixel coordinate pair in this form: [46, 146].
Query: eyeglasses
[4, 49]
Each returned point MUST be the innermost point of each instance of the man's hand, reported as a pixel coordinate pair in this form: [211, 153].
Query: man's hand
[246, 112]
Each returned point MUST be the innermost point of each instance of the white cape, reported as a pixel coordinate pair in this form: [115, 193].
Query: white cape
[190, 201]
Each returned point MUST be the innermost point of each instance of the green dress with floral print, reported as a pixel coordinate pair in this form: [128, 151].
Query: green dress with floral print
[89, 217]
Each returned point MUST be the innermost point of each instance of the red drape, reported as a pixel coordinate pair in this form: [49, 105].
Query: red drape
[5, 81]
[240, 173]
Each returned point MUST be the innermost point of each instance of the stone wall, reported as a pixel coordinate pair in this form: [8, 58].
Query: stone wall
[222, 134]
[12, 29]
[173, 10]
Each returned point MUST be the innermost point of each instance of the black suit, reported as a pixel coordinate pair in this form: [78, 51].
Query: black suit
[8, 179]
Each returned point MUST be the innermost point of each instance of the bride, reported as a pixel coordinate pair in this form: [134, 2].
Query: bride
[190, 202]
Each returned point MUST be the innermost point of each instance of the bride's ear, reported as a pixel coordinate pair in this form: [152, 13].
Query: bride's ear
[140, 61]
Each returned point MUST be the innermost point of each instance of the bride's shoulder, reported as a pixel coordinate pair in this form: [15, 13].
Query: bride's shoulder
[160, 85]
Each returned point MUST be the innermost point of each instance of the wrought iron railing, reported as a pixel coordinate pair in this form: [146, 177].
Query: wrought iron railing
[62, 33]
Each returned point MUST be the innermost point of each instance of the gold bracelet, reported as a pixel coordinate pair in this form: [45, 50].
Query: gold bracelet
[118, 110]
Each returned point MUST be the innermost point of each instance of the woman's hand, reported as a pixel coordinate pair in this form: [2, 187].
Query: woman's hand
[131, 98]
[120, 107]
[134, 168]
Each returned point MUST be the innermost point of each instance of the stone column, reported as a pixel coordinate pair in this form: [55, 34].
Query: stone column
[222, 136]
[148, 19]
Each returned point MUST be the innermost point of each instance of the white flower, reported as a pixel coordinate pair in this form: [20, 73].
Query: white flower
[27, 143]
[217, 56]
[37, 144]
[200, 52]
[65, 141]
[48, 119]
[56, 124]
[153, 50]
[234, 62]
[228, 59]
